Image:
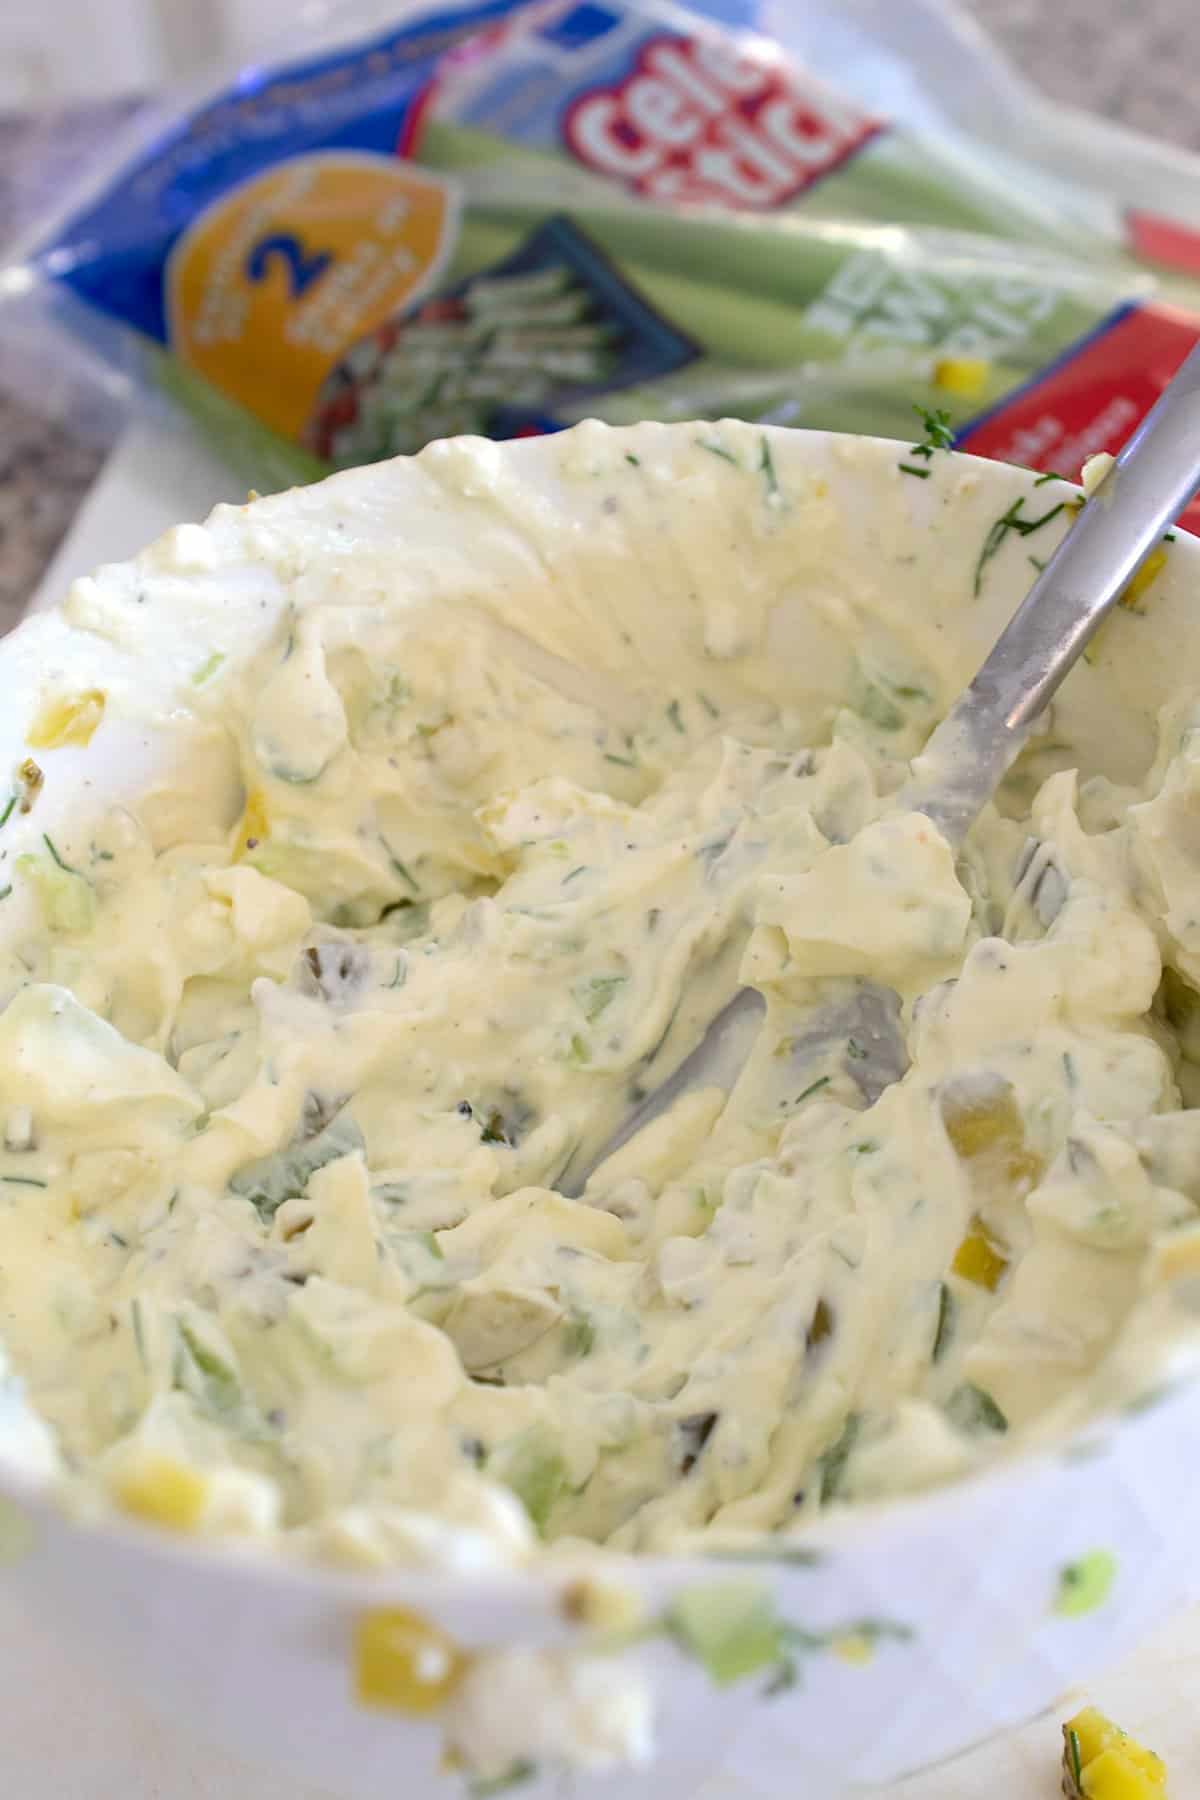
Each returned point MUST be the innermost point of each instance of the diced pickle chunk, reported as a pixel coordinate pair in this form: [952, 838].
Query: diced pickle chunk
[979, 1258]
[983, 1123]
[404, 1662]
[72, 719]
[1100, 1762]
[164, 1492]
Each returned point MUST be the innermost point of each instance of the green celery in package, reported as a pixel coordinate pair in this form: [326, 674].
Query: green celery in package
[504, 218]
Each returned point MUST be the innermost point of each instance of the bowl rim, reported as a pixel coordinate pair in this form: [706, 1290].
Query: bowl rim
[889, 1522]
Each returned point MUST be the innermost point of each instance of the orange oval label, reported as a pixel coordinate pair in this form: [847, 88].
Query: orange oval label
[271, 285]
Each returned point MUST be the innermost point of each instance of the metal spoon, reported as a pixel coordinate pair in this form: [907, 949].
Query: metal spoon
[967, 756]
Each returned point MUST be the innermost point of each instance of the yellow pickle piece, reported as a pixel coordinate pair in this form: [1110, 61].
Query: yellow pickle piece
[163, 1492]
[1101, 1762]
[1149, 571]
[404, 1662]
[965, 375]
[72, 719]
[983, 1122]
[252, 827]
[979, 1259]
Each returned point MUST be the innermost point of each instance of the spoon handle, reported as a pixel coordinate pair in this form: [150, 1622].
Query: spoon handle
[1143, 494]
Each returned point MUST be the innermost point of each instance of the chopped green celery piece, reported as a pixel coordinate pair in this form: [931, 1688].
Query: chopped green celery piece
[1085, 1584]
[875, 707]
[972, 1409]
[597, 993]
[206, 1371]
[67, 900]
[832, 1465]
[421, 1258]
[730, 1627]
[531, 1465]
[271, 1180]
[207, 668]
[483, 1787]
[579, 1335]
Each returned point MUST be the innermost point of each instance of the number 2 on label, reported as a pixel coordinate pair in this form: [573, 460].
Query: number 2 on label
[303, 268]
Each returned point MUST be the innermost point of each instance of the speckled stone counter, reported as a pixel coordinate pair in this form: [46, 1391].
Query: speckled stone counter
[45, 470]
[44, 475]
[1138, 64]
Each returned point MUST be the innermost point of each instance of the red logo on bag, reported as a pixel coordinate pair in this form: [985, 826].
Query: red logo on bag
[694, 121]
[1164, 241]
[1092, 398]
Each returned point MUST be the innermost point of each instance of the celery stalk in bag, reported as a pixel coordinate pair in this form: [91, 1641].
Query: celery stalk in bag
[503, 218]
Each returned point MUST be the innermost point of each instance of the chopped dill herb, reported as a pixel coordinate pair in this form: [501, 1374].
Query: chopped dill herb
[947, 1312]
[766, 464]
[814, 1087]
[939, 434]
[399, 868]
[676, 718]
[1074, 1757]
[139, 1335]
[1011, 520]
[716, 449]
[64, 866]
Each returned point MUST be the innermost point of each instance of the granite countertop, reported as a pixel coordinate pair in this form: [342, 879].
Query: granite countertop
[1139, 65]
[45, 469]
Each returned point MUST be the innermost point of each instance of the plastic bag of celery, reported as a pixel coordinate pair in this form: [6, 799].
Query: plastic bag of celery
[501, 218]
[926, 65]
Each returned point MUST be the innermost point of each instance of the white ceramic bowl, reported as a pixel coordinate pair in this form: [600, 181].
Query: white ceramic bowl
[923, 1626]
